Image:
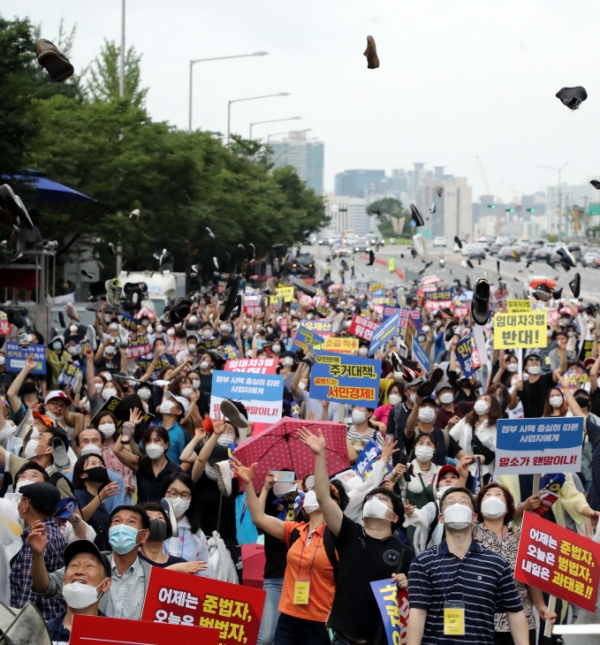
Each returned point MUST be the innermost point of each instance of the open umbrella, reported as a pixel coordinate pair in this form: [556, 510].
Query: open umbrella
[253, 562]
[45, 191]
[540, 279]
[280, 448]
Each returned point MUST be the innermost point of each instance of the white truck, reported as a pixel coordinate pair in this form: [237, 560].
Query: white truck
[164, 288]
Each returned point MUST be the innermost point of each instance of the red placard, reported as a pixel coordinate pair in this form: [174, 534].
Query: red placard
[234, 610]
[99, 630]
[362, 327]
[5, 326]
[252, 305]
[558, 561]
[253, 365]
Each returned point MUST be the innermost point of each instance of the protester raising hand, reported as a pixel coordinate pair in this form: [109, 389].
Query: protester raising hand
[316, 443]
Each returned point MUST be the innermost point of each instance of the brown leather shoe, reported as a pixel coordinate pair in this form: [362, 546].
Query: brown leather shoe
[371, 53]
[53, 61]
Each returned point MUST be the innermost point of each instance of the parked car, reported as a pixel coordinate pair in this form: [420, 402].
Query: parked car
[506, 253]
[472, 252]
[591, 259]
[440, 240]
[545, 253]
[304, 264]
[482, 243]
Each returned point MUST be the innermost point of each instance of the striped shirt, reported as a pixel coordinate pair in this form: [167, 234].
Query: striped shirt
[482, 581]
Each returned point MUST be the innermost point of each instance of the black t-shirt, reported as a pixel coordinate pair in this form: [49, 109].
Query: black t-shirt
[173, 559]
[533, 395]
[595, 402]
[208, 499]
[112, 365]
[362, 560]
[275, 549]
[99, 521]
[150, 487]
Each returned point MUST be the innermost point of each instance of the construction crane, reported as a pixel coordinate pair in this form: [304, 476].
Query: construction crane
[489, 192]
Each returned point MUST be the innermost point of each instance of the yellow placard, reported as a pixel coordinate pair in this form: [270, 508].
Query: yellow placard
[340, 345]
[287, 293]
[520, 330]
[518, 306]
[376, 287]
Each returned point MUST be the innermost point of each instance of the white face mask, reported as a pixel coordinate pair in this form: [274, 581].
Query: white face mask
[79, 595]
[31, 449]
[73, 329]
[107, 392]
[109, 351]
[113, 326]
[458, 516]
[144, 393]
[71, 350]
[363, 351]
[376, 509]
[310, 504]
[166, 407]
[196, 384]
[192, 347]
[204, 365]
[412, 397]
[534, 369]
[481, 407]
[2, 359]
[207, 334]
[180, 506]
[394, 399]
[288, 361]
[21, 484]
[91, 449]
[512, 368]
[154, 451]
[171, 332]
[424, 453]
[358, 416]
[98, 387]
[107, 429]
[555, 401]
[225, 329]
[225, 439]
[427, 415]
[493, 508]
[54, 417]
[186, 392]
[446, 398]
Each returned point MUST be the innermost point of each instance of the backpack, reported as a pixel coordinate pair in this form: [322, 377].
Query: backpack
[328, 543]
[56, 477]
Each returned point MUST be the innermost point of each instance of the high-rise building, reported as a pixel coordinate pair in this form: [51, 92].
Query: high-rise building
[307, 156]
[354, 183]
[349, 214]
[568, 207]
[453, 210]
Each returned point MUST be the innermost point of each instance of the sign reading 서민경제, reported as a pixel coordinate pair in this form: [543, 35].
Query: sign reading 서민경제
[345, 379]
[512, 331]
[538, 446]
[558, 561]
[262, 394]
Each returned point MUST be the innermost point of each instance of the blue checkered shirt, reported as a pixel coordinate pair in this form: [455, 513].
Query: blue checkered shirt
[20, 573]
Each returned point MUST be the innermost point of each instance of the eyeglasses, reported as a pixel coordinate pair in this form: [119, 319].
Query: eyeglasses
[464, 502]
[175, 493]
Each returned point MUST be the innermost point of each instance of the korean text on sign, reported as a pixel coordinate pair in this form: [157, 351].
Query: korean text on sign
[340, 345]
[16, 357]
[518, 306]
[363, 327]
[178, 598]
[558, 561]
[512, 331]
[252, 365]
[393, 606]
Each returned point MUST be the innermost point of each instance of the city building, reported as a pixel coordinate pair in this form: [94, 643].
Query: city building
[306, 155]
[571, 209]
[354, 183]
[453, 210]
[349, 214]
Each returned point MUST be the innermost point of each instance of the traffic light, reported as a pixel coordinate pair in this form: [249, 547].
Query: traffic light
[509, 210]
[531, 210]
[491, 205]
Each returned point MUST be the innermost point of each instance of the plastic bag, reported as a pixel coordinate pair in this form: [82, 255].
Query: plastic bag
[221, 561]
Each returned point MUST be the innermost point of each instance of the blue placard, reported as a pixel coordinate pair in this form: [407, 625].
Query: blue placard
[386, 595]
[440, 295]
[388, 312]
[320, 326]
[345, 378]
[419, 355]
[537, 446]
[230, 350]
[367, 459]
[69, 372]
[464, 355]
[385, 332]
[305, 338]
[16, 356]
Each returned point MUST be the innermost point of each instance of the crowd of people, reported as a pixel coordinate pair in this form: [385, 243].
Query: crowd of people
[112, 465]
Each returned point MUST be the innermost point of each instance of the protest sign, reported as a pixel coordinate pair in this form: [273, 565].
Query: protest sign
[252, 305]
[461, 309]
[385, 301]
[388, 312]
[537, 446]
[419, 355]
[138, 345]
[367, 458]
[287, 293]
[577, 379]
[322, 327]
[235, 610]
[68, 375]
[518, 306]
[363, 327]
[261, 394]
[99, 630]
[16, 357]
[340, 345]
[230, 350]
[5, 326]
[512, 331]
[552, 316]
[252, 365]
[306, 339]
[467, 356]
[378, 286]
[438, 298]
[384, 333]
[345, 378]
[393, 606]
[587, 348]
[558, 561]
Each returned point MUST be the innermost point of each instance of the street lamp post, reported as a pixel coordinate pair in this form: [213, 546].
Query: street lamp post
[204, 60]
[249, 98]
[289, 118]
[278, 134]
[559, 172]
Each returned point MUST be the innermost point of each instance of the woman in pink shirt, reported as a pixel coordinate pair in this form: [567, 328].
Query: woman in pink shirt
[382, 413]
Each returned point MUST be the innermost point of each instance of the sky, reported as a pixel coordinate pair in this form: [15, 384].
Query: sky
[458, 79]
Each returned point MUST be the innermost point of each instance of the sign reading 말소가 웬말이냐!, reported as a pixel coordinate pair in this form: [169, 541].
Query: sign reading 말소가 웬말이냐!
[538, 446]
[513, 331]
[235, 610]
[262, 394]
[345, 379]
[558, 561]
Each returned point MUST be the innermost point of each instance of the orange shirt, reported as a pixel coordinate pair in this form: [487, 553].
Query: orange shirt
[322, 583]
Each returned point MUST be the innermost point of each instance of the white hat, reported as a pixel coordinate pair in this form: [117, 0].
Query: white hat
[183, 402]
[58, 394]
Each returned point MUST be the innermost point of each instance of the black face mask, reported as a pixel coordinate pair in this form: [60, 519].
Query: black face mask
[158, 531]
[97, 474]
[582, 401]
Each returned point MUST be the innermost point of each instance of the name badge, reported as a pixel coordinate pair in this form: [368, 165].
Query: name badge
[454, 619]
[301, 591]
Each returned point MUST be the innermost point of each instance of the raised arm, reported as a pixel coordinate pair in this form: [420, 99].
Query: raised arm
[561, 352]
[124, 456]
[202, 459]
[188, 455]
[331, 511]
[13, 391]
[90, 372]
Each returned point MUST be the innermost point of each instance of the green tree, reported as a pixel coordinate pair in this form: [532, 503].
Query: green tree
[388, 209]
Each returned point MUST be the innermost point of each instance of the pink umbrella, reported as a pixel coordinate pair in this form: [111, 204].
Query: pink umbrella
[280, 448]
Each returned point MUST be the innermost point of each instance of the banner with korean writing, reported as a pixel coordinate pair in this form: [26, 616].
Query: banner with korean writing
[367, 459]
[385, 301]
[340, 345]
[393, 606]
[388, 312]
[467, 356]
[5, 326]
[439, 298]
[306, 339]
[587, 348]
[252, 305]
[518, 306]
[235, 610]
[68, 375]
[420, 355]
[384, 333]
[558, 561]
[321, 327]
[252, 365]
[345, 378]
[261, 394]
[363, 327]
[512, 331]
[16, 357]
[378, 286]
[139, 344]
[287, 293]
[461, 309]
[530, 446]
[100, 630]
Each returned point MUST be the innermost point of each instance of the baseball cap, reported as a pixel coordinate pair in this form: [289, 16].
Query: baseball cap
[44, 497]
[45, 419]
[448, 468]
[443, 385]
[183, 402]
[85, 546]
[58, 394]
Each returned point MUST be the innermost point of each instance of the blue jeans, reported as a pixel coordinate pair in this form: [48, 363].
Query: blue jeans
[270, 615]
